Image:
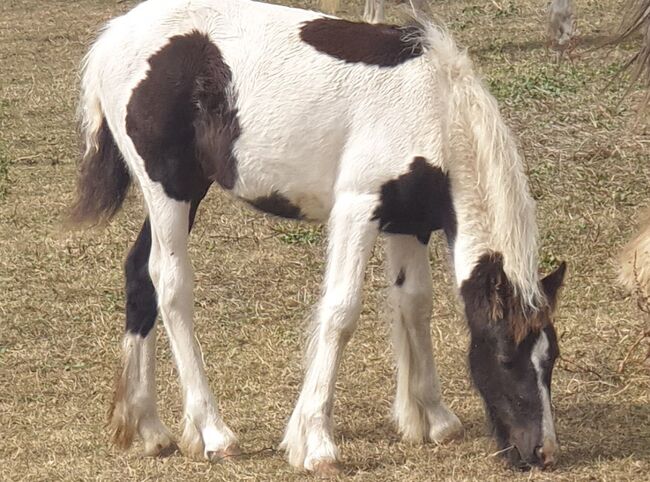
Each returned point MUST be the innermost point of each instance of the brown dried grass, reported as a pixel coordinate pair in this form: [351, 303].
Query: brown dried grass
[61, 298]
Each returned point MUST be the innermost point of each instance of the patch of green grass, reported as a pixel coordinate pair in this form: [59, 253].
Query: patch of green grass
[508, 9]
[541, 83]
[546, 81]
[299, 234]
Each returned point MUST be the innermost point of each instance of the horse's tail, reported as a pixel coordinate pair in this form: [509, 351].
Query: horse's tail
[103, 179]
[483, 147]
[635, 262]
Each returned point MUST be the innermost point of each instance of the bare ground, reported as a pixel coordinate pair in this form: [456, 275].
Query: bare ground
[61, 298]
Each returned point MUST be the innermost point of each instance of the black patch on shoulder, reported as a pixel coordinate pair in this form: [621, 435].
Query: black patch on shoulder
[372, 44]
[180, 120]
[417, 203]
[401, 277]
[277, 205]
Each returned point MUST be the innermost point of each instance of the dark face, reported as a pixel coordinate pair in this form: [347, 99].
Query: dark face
[511, 359]
[515, 383]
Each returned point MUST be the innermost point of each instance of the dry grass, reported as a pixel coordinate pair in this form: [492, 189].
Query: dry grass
[61, 298]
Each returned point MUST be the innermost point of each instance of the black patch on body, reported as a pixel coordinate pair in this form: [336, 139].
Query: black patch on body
[356, 42]
[103, 181]
[417, 203]
[180, 120]
[277, 205]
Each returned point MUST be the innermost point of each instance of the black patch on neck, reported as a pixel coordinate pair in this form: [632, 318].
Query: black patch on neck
[180, 120]
[356, 42]
[277, 205]
[417, 203]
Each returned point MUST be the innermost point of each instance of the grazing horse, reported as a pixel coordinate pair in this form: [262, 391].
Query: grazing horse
[370, 128]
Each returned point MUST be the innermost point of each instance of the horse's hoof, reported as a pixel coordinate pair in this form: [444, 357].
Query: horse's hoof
[448, 428]
[223, 455]
[327, 468]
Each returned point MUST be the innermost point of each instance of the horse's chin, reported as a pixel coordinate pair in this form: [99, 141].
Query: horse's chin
[514, 459]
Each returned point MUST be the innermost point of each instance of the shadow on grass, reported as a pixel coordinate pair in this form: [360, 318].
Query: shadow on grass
[585, 42]
[592, 432]
[392, 452]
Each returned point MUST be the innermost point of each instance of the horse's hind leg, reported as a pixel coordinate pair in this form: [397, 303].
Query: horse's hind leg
[205, 433]
[419, 410]
[134, 403]
[308, 439]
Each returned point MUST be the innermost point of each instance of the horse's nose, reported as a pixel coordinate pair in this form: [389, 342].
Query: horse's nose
[547, 453]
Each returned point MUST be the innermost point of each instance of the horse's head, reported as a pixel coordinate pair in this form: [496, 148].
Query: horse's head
[511, 357]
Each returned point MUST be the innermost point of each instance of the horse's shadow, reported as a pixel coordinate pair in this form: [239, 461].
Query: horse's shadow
[585, 42]
[394, 452]
[588, 432]
[597, 431]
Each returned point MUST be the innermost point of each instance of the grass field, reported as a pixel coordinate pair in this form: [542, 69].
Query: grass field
[61, 298]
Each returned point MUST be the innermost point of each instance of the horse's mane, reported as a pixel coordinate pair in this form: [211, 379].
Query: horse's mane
[483, 142]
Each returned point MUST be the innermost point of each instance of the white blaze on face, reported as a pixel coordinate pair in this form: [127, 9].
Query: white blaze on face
[538, 354]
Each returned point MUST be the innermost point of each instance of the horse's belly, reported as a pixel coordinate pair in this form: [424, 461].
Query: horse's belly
[287, 163]
[285, 189]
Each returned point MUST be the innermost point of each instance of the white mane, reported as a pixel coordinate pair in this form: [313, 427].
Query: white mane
[487, 172]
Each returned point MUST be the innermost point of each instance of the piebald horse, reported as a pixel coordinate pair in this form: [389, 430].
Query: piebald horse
[372, 129]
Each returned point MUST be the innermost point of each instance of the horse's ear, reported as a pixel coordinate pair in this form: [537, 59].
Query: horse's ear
[552, 284]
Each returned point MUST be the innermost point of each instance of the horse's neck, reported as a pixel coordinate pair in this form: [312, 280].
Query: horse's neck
[472, 237]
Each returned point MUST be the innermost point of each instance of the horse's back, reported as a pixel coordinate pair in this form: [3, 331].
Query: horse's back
[237, 91]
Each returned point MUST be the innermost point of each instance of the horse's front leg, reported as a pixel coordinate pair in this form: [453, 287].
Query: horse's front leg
[419, 410]
[308, 439]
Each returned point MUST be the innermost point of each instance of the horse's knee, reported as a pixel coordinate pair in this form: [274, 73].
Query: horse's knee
[339, 317]
[174, 281]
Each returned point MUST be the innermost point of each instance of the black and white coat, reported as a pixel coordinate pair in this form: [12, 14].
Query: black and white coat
[369, 128]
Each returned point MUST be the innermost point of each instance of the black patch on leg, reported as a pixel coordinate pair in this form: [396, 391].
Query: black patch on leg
[141, 304]
[356, 42]
[141, 301]
[180, 118]
[401, 277]
[417, 203]
[277, 205]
